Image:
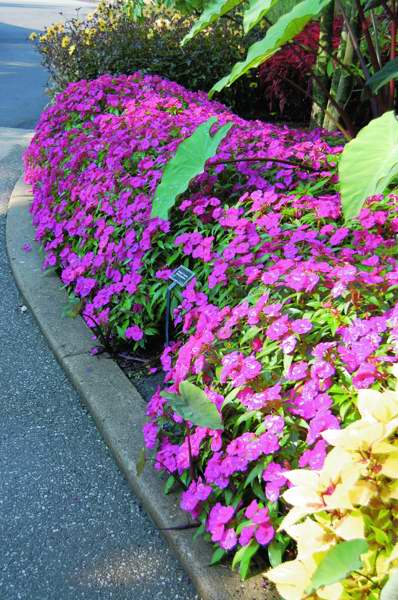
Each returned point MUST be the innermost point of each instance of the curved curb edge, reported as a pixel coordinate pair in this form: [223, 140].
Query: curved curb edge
[115, 405]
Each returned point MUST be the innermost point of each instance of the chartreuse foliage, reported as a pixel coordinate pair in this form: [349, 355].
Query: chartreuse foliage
[369, 163]
[338, 562]
[188, 161]
[344, 516]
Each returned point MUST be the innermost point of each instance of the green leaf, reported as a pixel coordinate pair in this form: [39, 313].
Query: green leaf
[169, 395]
[373, 4]
[339, 562]
[384, 76]
[275, 552]
[193, 405]
[199, 531]
[189, 161]
[368, 163]
[218, 555]
[390, 590]
[243, 557]
[255, 472]
[168, 486]
[212, 12]
[250, 334]
[73, 309]
[256, 11]
[140, 464]
[284, 30]
[287, 363]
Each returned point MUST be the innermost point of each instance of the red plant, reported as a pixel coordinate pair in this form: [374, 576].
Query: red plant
[290, 69]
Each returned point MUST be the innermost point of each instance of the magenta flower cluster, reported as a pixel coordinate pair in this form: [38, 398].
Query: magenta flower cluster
[291, 311]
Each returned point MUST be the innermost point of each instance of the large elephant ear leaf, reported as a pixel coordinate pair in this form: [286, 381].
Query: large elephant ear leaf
[188, 161]
[368, 163]
[255, 12]
[284, 30]
[215, 9]
[193, 405]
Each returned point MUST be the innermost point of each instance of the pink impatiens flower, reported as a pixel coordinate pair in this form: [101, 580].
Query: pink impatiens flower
[196, 493]
[218, 518]
[275, 480]
[134, 333]
[261, 527]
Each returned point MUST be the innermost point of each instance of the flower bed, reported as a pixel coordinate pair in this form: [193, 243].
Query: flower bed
[290, 313]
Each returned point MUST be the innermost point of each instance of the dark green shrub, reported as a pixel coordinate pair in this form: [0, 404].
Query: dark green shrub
[109, 41]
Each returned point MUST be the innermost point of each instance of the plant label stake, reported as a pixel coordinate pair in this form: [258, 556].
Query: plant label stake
[181, 277]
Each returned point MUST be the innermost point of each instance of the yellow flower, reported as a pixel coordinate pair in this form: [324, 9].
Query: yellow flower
[377, 406]
[33, 36]
[350, 527]
[65, 41]
[315, 491]
[71, 50]
[292, 578]
[310, 537]
[390, 466]
[360, 436]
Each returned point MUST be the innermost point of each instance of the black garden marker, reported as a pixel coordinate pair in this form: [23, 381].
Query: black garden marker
[181, 277]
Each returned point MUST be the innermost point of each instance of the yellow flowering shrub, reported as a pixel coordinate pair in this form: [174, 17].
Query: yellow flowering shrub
[347, 512]
[108, 40]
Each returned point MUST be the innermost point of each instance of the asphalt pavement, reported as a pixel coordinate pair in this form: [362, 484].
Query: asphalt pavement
[70, 528]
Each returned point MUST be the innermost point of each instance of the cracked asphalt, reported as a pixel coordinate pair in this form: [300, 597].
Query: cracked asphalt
[70, 528]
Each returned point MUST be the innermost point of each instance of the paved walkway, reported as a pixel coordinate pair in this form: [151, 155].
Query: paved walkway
[70, 528]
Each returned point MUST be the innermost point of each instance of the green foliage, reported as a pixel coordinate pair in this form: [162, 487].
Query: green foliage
[384, 76]
[276, 550]
[141, 462]
[256, 11]
[339, 562]
[243, 558]
[193, 405]
[112, 40]
[284, 30]
[189, 161]
[368, 163]
[212, 12]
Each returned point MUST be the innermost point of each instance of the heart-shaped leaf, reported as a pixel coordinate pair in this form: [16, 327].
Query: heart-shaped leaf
[368, 163]
[188, 161]
[193, 405]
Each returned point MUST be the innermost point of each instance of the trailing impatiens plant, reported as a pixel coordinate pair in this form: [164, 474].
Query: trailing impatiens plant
[95, 163]
[290, 313]
[345, 516]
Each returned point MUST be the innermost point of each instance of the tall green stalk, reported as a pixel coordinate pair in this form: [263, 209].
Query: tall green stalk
[321, 81]
[342, 81]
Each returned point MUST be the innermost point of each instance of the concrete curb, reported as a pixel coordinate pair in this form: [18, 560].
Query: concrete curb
[116, 406]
